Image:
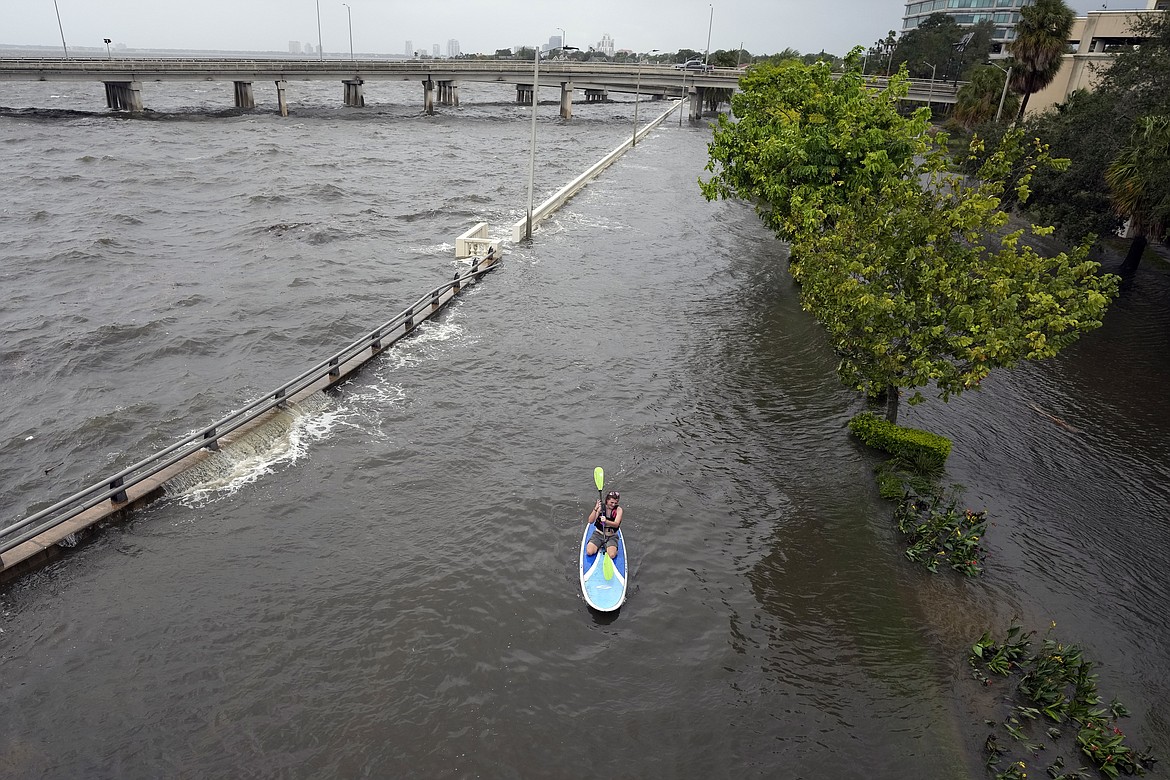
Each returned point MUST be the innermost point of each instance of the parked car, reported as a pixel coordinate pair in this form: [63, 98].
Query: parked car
[694, 65]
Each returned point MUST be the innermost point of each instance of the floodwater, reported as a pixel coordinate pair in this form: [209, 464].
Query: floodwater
[385, 585]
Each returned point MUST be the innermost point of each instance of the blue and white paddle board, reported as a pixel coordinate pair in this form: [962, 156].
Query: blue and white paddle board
[603, 586]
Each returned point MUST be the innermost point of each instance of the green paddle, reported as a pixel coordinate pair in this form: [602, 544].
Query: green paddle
[607, 562]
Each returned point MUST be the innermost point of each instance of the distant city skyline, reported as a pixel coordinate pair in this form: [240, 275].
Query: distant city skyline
[762, 26]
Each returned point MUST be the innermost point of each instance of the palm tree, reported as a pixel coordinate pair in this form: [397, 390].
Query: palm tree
[978, 99]
[1138, 181]
[1039, 48]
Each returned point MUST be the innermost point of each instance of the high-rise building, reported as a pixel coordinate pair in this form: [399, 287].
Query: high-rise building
[605, 45]
[1004, 14]
[294, 47]
[453, 48]
[435, 50]
[410, 48]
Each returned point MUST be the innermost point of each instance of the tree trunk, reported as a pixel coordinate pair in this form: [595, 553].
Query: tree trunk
[892, 404]
[1023, 106]
[1134, 256]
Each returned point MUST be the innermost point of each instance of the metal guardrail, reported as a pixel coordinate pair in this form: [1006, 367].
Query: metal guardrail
[113, 488]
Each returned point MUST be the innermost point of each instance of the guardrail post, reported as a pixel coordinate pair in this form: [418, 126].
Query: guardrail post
[455, 284]
[334, 368]
[212, 440]
[120, 496]
[408, 323]
[376, 342]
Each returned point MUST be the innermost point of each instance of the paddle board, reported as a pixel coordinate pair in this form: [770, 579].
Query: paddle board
[603, 586]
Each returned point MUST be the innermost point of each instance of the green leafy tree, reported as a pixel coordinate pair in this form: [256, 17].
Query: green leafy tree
[939, 41]
[879, 57]
[780, 56]
[1087, 131]
[904, 263]
[1039, 47]
[1090, 128]
[1137, 180]
[1140, 76]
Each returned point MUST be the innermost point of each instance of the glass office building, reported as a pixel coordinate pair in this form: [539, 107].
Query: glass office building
[1004, 14]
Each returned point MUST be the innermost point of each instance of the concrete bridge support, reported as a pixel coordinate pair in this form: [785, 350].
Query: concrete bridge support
[524, 94]
[696, 104]
[353, 93]
[566, 100]
[244, 96]
[449, 93]
[596, 96]
[282, 101]
[428, 97]
[124, 95]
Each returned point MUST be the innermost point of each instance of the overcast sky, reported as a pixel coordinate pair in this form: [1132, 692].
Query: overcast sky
[384, 26]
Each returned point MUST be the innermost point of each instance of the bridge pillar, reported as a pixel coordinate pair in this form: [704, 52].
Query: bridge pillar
[244, 96]
[596, 96]
[124, 95]
[449, 93]
[428, 97]
[353, 93]
[696, 104]
[566, 100]
[281, 100]
[524, 94]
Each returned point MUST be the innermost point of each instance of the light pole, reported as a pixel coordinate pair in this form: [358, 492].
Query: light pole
[108, 52]
[930, 94]
[320, 46]
[638, 98]
[563, 41]
[709, 23]
[1002, 95]
[349, 13]
[62, 29]
[532, 146]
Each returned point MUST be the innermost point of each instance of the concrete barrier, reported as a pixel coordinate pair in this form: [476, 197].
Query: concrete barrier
[561, 196]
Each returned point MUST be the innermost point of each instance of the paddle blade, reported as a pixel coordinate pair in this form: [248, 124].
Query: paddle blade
[607, 566]
[599, 477]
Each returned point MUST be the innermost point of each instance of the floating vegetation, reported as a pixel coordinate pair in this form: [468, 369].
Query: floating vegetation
[940, 533]
[1053, 685]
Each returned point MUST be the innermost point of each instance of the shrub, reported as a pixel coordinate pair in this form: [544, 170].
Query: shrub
[923, 450]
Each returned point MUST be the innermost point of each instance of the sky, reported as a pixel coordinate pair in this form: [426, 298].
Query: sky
[384, 26]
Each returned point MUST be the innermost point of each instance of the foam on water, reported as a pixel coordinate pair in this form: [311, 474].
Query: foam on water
[283, 439]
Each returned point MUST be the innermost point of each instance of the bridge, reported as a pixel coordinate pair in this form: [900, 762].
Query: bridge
[440, 79]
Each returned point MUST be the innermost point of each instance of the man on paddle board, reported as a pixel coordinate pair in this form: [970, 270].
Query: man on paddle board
[605, 518]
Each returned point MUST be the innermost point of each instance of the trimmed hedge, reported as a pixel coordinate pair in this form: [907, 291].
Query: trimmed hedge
[922, 448]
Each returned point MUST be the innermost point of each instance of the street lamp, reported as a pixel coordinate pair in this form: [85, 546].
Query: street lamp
[108, 52]
[709, 23]
[532, 146]
[1002, 95]
[320, 46]
[349, 13]
[563, 41]
[930, 94]
[62, 29]
[638, 98]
